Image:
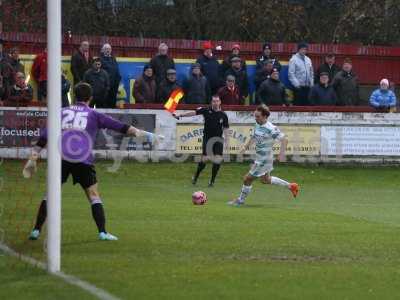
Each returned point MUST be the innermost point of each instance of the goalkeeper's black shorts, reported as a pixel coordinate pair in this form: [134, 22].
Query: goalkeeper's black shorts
[81, 173]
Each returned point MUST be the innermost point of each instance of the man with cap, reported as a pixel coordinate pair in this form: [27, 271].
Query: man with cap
[230, 93]
[301, 75]
[210, 67]
[226, 64]
[167, 86]
[267, 56]
[323, 93]
[383, 99]
[196, 88]
[161, 63]
[329, 67]
[346, 85]
[272, 91]
[240, 75]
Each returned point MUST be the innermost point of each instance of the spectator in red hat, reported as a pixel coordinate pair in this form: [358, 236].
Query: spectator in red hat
[210, 67]
[226, 64]
[230, 93]
[267, 56]
[39, 74]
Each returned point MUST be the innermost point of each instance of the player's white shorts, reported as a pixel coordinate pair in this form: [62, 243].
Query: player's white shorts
[260, 168]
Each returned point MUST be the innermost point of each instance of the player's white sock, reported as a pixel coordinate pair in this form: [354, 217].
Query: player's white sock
[246, 189]
[278, 181]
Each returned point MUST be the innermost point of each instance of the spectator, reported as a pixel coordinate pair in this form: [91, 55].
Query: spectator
[39, 74]
[100, 83]
[21, 93]
[329, 67]
[266, 57]
[81, 61]
[15, 62]
[110, 65]
[264, 73]
[65, 87]
[3, 92]
[196, 87]
[210, 67]
[2, 56]
[230, 93]
[323, 93]
[161, 63]
[144, 89]
[383, 98]
[272, 91]
[167, 86]
[226, 64]
[301, 75]
[240, 76]
[345, 84]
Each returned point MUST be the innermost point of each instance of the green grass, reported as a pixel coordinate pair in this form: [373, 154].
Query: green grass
[338, 240]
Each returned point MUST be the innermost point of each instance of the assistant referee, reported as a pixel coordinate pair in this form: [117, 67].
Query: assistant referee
[215, 136]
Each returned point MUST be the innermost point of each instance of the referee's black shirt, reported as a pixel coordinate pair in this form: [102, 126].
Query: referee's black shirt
[214, 122]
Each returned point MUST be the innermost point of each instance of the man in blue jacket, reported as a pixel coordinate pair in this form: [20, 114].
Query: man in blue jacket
[383, 98]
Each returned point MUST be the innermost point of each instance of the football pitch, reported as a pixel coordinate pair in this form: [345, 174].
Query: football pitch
[338, 240]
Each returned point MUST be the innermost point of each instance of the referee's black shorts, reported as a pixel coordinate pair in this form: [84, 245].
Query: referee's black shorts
[81, 173]
[213, 146]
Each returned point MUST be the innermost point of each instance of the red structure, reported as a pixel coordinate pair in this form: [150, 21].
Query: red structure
[370, 63]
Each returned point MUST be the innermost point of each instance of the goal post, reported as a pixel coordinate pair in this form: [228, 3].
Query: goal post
[54, 135]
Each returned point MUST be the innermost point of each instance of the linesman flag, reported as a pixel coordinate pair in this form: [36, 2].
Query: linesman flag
[173, 100]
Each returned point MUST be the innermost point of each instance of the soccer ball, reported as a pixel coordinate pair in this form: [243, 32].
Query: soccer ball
[199, 198]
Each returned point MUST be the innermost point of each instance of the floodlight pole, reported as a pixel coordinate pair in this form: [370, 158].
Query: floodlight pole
[54, 135]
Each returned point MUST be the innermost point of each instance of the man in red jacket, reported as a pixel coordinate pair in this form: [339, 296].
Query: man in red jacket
[230, 93]
[39, 74]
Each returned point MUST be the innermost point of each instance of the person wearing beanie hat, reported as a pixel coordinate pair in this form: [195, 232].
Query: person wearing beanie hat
[161, 62]
[266, 57]
[240, 75]
[301, 75]
[144, 88]
[323, 93]
[226, 64]
[346, 85]
[383, 99]
[210, 67]
[167, 86]
[196, 88]
[272, 91]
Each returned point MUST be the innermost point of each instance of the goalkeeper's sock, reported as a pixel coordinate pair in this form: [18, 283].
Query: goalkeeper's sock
[246, 189]
[41, 215]
[215, 169]
[200, 168]
[278, 181]
[98, 215]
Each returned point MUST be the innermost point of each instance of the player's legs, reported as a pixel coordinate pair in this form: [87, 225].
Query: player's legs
[293, 187]
[245, 191]
[202, 164]
[218, 148]
[98, 214]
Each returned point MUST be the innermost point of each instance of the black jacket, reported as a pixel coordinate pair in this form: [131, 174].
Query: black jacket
[321, 95]
[99, 81]
[241, 80]
[263, 59]
[160, 64]
[210, 69]
[79, 66]
[346, 87]
[196, 90]
[331, 70]
[165, 89]
[65, 87]
[110, 65]
[271, 92]
[260, 77]
[226, 65]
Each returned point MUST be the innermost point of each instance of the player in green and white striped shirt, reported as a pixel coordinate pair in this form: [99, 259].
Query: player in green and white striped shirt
[265, 135]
